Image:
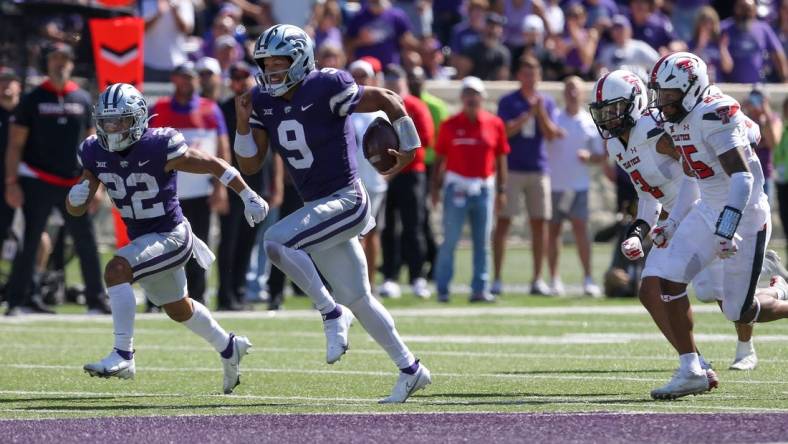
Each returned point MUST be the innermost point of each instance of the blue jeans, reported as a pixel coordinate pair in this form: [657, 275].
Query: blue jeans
[456, 207]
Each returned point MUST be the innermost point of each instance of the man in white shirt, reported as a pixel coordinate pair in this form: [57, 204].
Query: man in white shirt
[568, 158]
[625, 52]
[167, 24]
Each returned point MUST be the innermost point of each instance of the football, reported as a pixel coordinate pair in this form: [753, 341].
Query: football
[378, 139]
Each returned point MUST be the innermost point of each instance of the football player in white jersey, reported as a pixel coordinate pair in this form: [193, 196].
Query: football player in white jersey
[642, 149]
[731, 219]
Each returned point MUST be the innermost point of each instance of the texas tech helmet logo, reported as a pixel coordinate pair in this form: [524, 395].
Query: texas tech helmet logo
[687, 65]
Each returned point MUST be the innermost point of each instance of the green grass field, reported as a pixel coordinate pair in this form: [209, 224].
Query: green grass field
[524, 354]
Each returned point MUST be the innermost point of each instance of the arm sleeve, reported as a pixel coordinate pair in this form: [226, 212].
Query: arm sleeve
[343, 92]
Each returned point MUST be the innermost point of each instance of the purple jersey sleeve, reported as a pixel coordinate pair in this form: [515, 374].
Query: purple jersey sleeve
[342, 91]
[176, 143]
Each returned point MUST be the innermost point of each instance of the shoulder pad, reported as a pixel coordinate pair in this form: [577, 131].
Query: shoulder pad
[645, 129]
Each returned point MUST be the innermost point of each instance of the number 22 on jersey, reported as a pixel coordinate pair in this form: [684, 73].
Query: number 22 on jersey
[116, 188]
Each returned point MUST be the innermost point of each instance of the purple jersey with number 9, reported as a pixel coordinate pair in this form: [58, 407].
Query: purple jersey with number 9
[135, 179]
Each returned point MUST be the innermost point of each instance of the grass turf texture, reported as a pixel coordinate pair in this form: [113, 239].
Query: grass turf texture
[525, 354]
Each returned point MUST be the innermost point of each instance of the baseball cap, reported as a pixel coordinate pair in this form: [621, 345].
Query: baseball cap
[225, 40]
[393, 72]
[61, 48]
[7, 73]
[495, 18]
[621, 20]
[362, 65]
[374, 62]
[208, 64]
[186, 69]
[533, 23]
[240, 67]
[475, 84]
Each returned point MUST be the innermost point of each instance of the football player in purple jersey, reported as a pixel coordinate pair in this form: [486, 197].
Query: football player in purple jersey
[303, 113]
[138, 166]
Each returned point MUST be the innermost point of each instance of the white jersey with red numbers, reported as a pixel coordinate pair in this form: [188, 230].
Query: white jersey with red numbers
[652, 173]
[715, 126]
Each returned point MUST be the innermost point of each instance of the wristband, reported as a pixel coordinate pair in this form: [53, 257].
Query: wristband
[728, 222]
[639, 228]
[406, 131]
[228, 176]
[244, 145]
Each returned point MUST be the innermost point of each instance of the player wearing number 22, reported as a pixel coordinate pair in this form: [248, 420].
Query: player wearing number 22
[138, 166]
[304, 114]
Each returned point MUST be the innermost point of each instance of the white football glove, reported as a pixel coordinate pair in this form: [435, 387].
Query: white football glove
[662, 233]
[632, 248]
[726, 248]
[255, 207]
[79, 193]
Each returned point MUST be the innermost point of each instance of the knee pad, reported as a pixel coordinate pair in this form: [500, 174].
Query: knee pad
[671, 298]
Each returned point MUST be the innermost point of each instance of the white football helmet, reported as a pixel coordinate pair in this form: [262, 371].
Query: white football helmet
[289, 41]
[121, 116]
[618, 102]
[681, 71]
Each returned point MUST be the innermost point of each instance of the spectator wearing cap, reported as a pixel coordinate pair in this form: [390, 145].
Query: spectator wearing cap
[379, 30]
[227, 52]
[470, 31]
[515, 11]
[41, 165]
[708, 44]
[202, 124]
[330, 55]
[237, 238]
[753, 45]
[624, 51]
[439, 111]
[471, 169]
[364, 74]
[405, 199]
[167, 25]
[530, 118]
[652, 27]
[568, 158]
[487, 59]
[210, 78]
[534, 45]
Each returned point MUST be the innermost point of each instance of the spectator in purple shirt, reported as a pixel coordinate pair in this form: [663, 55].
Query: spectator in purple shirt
[708, 44]
[578, 45]
[469, 32]
[325, 23]
[379, 30]
[781, 27]
[752, 43]
[652, 27]
[530, 121]
[598, 12]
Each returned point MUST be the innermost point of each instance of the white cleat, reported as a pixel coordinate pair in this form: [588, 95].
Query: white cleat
[773, 265]
[408, 384]
[336, 331]
[390, 289]
[232, 365]
[748, 362]
[557, 288]
[682, 384]
[420, 289]
[112, 366]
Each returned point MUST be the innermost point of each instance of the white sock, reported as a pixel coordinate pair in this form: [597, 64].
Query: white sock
[691, 363]
[297, 265]
[206, 327]
[744, 348]
[124, 306]
[377, 321]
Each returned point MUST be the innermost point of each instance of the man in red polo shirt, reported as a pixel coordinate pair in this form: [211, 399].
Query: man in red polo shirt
[405, 200]
[41, 165]
[202, 124]
[470, 162]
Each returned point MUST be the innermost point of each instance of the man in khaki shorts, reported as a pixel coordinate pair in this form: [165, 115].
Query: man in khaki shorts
[529, 117]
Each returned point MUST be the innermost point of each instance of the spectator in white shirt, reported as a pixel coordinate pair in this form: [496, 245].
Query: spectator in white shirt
[568, 158]
[167, 24]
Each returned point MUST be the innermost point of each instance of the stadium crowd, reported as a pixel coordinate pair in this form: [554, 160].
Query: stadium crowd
[540, 153]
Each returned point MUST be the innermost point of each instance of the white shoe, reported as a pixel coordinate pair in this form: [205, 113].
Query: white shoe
[773, 265]
[408, 384]
[420, 289]
[538, 287]
[389, 289]
[232, 365]
[748, 362]
[112, 366]
[336, 334]
[557, 288]
[682, 383]
[496, 288]
[590, 288]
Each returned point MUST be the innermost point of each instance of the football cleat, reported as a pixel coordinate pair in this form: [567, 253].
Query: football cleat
[747, 362]
[390, 289]
[232, 365]
[496, 288]
[408, 384]
[682, 383]
[420, 289]
[112, 366]
[336, 331]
